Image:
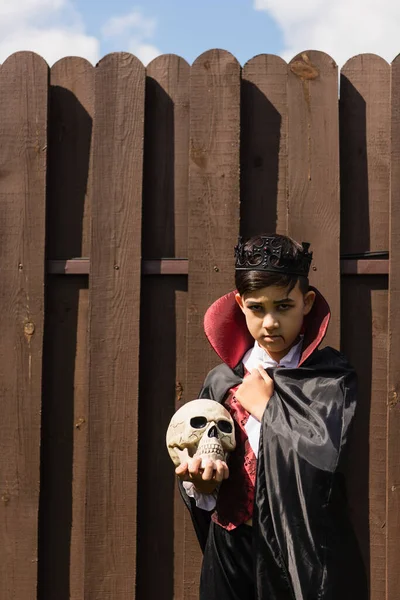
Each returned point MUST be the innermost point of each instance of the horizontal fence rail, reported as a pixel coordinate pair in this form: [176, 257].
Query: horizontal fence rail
[180, 266]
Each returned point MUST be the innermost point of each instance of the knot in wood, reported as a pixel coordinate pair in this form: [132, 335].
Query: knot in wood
[199, 156]
[80, 422]
[303, 68]
[29, 328]
[393, 398]
[178, 391]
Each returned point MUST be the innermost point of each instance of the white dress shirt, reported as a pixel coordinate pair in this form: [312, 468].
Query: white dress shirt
[251, 360]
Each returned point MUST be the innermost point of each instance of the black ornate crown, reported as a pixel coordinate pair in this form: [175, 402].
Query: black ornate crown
[269, 255]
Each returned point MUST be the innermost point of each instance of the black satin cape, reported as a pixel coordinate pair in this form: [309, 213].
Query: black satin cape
[304, 545]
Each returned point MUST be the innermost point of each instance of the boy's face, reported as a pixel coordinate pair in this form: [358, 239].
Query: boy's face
[274, 317]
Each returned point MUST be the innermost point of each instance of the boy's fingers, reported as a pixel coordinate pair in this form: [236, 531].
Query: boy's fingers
[264, 374]
[226, 470]
[220, 471]
[194, 466]
[256, 373]
[181, 469]
[208, 473]
[182, 472]
[217, 471]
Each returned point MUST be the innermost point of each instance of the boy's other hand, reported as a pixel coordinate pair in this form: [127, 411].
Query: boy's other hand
[205, 480]
[255, 392]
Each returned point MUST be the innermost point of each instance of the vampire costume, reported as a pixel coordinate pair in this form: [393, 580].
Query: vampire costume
[280, 530]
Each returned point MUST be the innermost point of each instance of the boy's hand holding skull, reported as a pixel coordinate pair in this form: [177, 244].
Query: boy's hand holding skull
[200, 435]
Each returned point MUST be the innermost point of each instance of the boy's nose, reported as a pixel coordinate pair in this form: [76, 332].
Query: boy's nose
[270, 322]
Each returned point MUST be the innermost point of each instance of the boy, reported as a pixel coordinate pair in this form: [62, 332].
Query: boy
[274, 525]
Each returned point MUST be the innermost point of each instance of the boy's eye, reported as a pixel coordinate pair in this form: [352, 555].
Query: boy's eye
[283, 307]
[255, 307]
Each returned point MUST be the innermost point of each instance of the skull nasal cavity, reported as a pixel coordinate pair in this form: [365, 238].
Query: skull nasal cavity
[213, 432]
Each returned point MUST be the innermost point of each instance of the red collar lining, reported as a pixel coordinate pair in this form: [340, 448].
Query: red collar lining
[225, 328]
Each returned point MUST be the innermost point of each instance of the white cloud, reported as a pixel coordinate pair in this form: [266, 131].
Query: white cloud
[341, 28]
[132, 32]
[52, 28]
[145, 52]
[133, 23]
[26, 9]
[52, 44]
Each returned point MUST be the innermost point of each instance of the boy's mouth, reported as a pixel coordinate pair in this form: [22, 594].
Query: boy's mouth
[272, 338]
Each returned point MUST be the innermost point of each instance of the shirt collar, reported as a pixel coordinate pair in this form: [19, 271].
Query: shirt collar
[257, 355]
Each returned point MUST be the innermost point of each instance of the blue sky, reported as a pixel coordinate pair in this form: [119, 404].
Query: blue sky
[189, 27]
[147, 28]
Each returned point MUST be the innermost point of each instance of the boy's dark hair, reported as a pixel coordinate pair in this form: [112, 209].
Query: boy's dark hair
[249, 281]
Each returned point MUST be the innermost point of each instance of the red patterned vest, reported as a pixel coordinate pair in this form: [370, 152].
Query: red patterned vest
[236, 494]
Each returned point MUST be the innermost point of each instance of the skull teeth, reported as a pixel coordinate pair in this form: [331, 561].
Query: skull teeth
[210, 452]
[211, 449]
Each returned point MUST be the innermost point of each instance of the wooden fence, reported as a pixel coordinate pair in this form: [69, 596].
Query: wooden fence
[145, 177]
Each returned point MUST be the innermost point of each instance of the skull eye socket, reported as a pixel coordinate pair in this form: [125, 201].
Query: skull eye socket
[198, 422]
[225, 426]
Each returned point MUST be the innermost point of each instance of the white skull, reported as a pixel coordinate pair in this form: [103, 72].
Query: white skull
[200, 428]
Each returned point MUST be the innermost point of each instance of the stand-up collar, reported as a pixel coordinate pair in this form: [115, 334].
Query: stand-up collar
[226, 330]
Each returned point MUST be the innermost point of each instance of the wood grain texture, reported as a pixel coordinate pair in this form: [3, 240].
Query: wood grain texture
[65, 390]
[264, 151]
[23, 134]
[365, 153]
[64, 440]
[364, 341]
[213, 218]
[180, 266]
[70, 143]
[365, 187]
[279, 124]
[213, 198]
[163, 317]
[314, 209]
[393, 404]
[166, 150]
[110, 555]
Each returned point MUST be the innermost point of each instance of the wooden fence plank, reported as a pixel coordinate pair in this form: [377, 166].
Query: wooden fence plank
[393, 428]
[365, 153]
[313, 146]
[23, 125]
[365, 142]
[365, 184]
[263, 147]
[114, 329]
[213, 216]
[164, 331]
[65, 389]
[364, 341]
